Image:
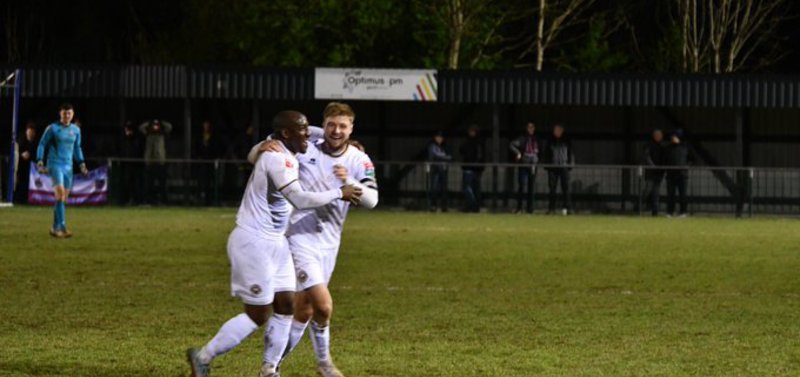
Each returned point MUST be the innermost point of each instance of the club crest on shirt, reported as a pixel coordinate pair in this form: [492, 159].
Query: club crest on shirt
[369, 169]
[289, 164]
[255, 289]
[312, 161]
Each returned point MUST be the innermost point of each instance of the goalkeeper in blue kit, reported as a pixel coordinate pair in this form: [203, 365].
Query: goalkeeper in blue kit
[62, 141]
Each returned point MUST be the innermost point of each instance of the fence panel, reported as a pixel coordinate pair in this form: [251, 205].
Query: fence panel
[410, 185]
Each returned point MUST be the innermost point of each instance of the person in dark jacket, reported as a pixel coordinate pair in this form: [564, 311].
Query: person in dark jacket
[653, 174]
[677, 155]
[210, 146]
[438, 159]
[156, 132]
[472, 151]
[559, 155]
[129, 172]
[525, 150]
[27, 154]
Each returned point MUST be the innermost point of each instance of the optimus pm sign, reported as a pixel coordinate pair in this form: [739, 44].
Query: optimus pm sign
[375, 84]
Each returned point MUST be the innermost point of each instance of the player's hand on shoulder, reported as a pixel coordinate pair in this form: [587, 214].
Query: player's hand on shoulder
[357, 145]
[270, 146]
[340, 172]
[351, 194]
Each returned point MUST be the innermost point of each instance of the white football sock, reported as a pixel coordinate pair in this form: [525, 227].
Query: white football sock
[321, 340]
[229, 336]
[295, 336]
[276, 337]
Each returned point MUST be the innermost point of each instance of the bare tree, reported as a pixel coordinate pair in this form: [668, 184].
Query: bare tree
[695, 42]
[458, 16]
[723, 34]
[473, 28]
[552, 17]
[753, 24]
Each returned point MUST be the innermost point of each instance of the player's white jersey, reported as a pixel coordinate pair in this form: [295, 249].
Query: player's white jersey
[264, 209]
[316, 174]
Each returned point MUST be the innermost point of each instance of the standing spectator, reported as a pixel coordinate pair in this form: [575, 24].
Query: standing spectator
[244, 142]
[240, 149]
[525, 149]
[653, 174]
[438, 159]
[155, 156]
[27, 153]
[559, 154]
[130, 168]
[472, 151]
[209, 147]
[677, 156]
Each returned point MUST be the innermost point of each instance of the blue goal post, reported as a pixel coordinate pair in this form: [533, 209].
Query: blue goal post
[14, 80]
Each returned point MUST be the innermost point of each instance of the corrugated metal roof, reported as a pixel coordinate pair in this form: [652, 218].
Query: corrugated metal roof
[476, 87]
[67, 82]
[153, 82]
[166, 82]
[283, 84]
[525, 87]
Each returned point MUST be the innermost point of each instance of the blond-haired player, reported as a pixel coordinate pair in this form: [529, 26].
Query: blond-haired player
[257, 249]
[314, 235]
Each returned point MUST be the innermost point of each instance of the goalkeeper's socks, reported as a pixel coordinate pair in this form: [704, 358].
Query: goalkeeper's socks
[276, 337]
[321, 340]
[229, 336]
[295, 336]
[58, 215]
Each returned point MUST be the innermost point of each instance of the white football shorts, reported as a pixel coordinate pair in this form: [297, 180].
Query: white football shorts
[313, 264]
[259, 267]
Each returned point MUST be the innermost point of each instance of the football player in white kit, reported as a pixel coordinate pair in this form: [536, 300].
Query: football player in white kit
[257, 248]
[314, 235]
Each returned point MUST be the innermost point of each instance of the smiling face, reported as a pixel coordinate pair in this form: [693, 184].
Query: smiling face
[291, 127]
[338, 129]
[297, 138]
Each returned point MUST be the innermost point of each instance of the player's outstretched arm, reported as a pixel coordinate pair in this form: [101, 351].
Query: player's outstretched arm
[255, 151]
[363, 178]
[315, 133]
[369, 192]
[271, 145]
[305, 199]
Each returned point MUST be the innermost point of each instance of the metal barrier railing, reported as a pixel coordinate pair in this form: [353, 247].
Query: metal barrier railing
[411, 184]
[603, 188]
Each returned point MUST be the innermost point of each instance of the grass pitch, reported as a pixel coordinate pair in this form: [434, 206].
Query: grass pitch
[416, 294]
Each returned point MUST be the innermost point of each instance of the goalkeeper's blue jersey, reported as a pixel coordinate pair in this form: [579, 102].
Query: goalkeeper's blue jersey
[63, 143]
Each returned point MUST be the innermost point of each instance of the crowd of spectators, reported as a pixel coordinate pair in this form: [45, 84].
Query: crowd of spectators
[663, 157]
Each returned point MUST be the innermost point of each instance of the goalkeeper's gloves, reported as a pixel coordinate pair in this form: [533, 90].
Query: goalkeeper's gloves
[40, 167]
[83, 168]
